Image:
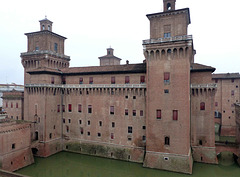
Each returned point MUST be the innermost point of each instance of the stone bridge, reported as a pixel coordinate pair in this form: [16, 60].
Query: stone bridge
[230, 147]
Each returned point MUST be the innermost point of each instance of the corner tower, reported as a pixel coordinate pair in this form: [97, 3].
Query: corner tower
[45, 50]
[169, 53]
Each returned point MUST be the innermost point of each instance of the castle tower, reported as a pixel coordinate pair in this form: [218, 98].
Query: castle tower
[45, 51]
[42, 64]
[169, 53]
[109, 59]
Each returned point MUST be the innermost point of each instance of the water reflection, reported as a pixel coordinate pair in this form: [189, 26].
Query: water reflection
[66, 164]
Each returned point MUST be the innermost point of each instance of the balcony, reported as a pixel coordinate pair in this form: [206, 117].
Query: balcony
[211, 86]
[82, 86]
[167, 39]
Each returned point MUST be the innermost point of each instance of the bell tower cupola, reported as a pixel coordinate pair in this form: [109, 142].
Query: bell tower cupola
[45, 24]
[169, 5]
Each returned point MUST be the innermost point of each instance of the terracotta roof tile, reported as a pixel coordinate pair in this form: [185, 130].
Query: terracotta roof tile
[195, 67]
[226, 76]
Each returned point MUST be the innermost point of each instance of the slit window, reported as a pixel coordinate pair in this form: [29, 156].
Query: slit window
[159, 114]
[175, 114]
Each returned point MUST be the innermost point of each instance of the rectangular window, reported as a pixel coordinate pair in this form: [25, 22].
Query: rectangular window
[126, 112]
[6, 104]
[36, 109]
[127, 80]
[167, 35]
[79, 108]
[63, 108]
[52, 80]
[216, 104]
[202, 106]
[56, 47]
[16, 105]
[100, 123]
[69, 107]
[112, 136]
[159, 116]
[58, 108]
[90, 80]
[80, 121]
[141, 112]
[144, 127]
[129, 129]
[113, 80]
[64, 121]
[144, 138]
[142, 79]
[175, 114]
[69, 121]
[80, 80]
[112, 110]
[63, 80]
[216, 80]
[88, 133]
[166, 77]
[134, 113]
[88, 122]
[11, 105]
[67, 128]
[113, 124]
[232, 92]
[81, 130]
[99, 134]
[13, 146]
[166, 91]
[89, 109]
[232, 80]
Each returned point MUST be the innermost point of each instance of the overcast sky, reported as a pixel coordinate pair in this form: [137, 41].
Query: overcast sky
[91, 26]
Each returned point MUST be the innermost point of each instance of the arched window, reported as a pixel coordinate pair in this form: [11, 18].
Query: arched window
[167, 140]
[43, 27]
[202, 106]
[49, 27]
[169, 6]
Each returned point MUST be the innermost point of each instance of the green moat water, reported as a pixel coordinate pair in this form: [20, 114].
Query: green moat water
[65, 164]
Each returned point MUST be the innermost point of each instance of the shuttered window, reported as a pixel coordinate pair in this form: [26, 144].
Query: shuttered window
[175, 114]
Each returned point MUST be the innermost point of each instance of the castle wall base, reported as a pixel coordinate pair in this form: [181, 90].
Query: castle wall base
[169, 162]
[204, 154]
[45, 149]
[16, 160]
[127, 153]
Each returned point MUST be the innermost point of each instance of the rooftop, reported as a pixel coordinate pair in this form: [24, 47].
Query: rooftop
[226, 76]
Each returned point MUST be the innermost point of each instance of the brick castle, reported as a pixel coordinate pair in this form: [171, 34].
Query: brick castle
[159, 112]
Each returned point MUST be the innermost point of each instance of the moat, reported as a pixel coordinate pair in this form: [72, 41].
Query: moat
[65, 164]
